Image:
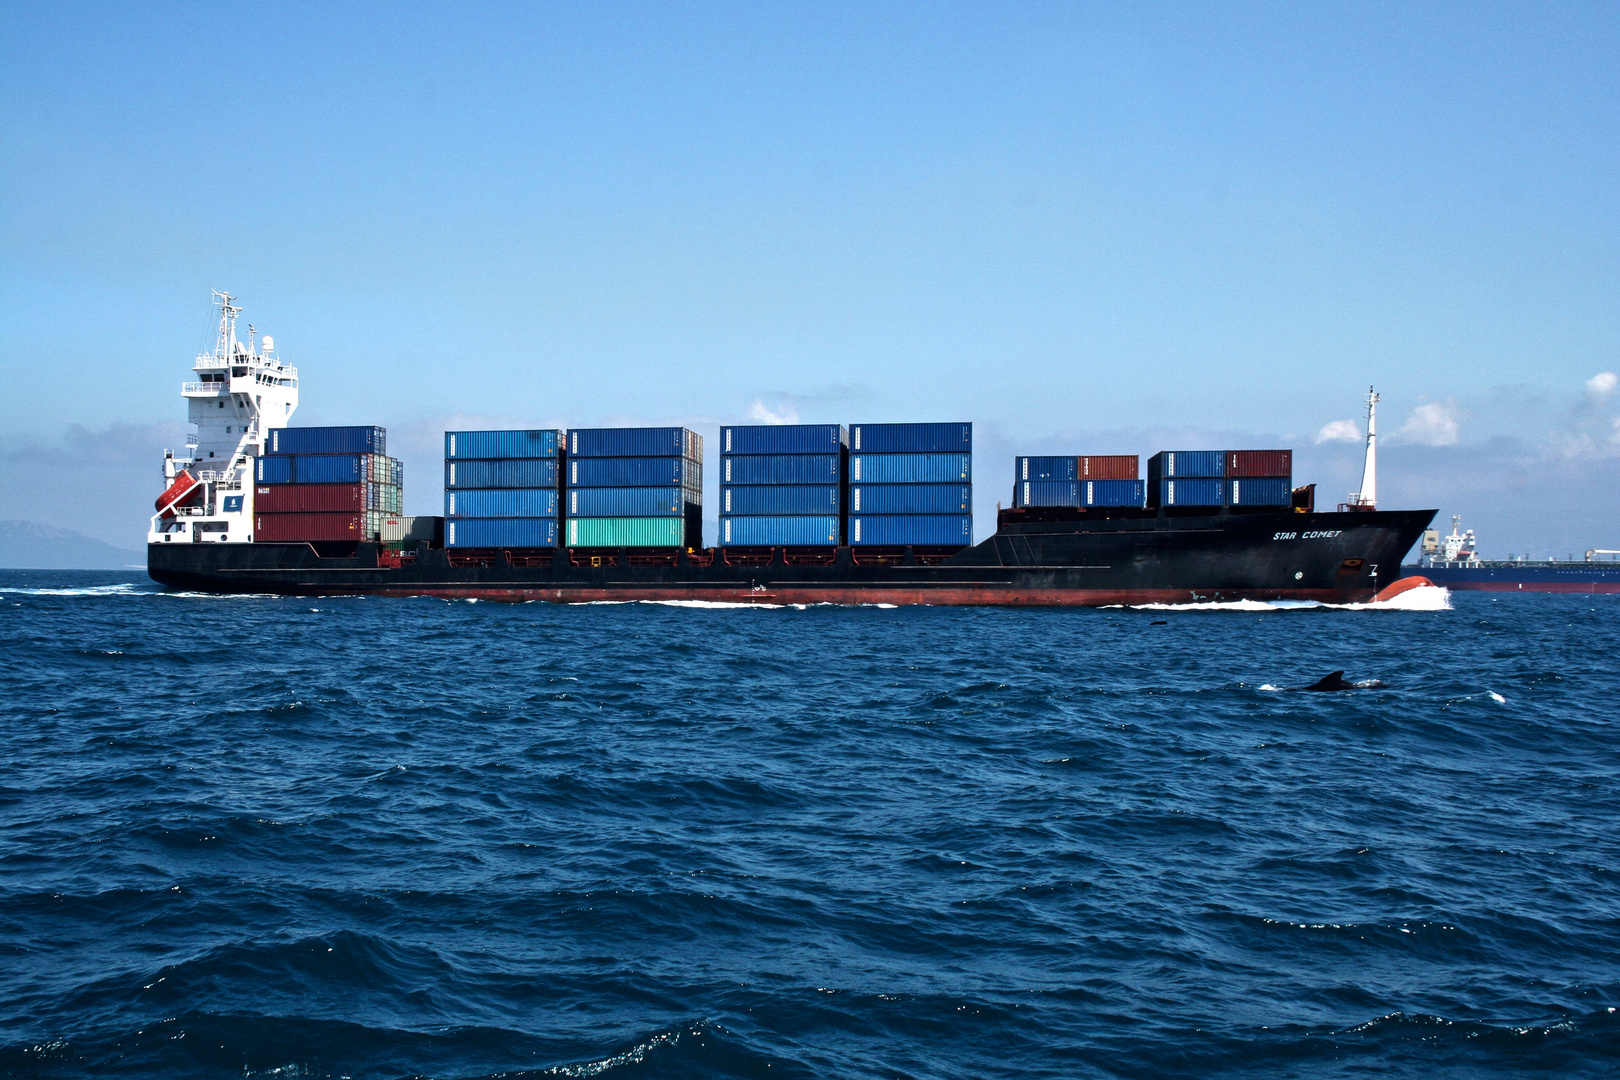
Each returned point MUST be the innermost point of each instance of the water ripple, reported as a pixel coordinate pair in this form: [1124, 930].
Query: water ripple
[261, 837]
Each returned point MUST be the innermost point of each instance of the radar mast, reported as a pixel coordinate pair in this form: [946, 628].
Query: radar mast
[1367, 497]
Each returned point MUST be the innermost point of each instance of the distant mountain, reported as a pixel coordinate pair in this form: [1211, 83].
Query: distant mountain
[27, 545]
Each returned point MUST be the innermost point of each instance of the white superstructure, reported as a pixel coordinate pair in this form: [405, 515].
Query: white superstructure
[1458, 549]
[241, 391]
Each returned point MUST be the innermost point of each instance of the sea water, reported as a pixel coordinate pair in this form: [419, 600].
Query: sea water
[377, 838]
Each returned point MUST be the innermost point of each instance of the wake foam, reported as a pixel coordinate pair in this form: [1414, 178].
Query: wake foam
[724, 605]
[128, 588]
[121, 589]
[712, 605]
[1422, 598]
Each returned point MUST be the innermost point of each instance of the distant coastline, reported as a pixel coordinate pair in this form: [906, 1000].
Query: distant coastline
[28, 545]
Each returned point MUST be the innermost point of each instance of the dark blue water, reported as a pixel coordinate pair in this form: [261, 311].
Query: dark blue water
[389, 838]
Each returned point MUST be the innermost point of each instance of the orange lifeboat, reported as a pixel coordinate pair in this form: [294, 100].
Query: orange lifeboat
[183, 487]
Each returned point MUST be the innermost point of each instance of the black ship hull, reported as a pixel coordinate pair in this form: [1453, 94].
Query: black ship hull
[1069, 558]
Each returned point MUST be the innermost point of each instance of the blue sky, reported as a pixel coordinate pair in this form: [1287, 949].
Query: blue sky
[1083, 227]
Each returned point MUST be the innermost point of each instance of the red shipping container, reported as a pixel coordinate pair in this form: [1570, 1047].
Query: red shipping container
[269, 528]
[1241, 463]
[1107, 467]
[309, 498]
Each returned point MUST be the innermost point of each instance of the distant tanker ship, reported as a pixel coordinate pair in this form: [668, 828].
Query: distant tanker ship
[1454, 562]
[875, 514]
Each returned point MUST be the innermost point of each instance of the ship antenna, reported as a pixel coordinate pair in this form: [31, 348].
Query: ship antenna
[225, 344]
[1367, 498]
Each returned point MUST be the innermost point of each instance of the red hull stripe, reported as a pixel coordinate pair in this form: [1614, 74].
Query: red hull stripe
[978, 595]
[1584, 587]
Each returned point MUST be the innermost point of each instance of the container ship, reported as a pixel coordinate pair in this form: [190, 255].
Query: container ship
[1453, 561]
[808, 514]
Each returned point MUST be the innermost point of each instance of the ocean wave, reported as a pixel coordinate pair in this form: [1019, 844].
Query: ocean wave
[203, 1045]
[433, 840]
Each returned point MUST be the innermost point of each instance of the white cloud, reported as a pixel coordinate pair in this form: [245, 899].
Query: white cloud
[787, 414]
[1603, 383]
[1339, 431]
[1434, 424]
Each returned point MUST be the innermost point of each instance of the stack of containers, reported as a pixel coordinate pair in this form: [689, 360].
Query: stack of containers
[1187, 478]
[1081, 481]
[1221, 478]
[1259, 477]
[782, 485]
[326, 483]
[501, 488]
[910, 484]
[634, 487]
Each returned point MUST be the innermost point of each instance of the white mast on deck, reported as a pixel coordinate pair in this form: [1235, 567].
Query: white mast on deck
[225, 341]
[1367, 497]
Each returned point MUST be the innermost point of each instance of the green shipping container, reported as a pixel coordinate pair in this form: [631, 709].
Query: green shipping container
[627, 532]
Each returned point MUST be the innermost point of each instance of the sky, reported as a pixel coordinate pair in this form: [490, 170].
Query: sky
[1087, 228]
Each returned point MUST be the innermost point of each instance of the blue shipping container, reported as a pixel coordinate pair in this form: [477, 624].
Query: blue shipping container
[782, 500]
[1047, 493]
[328, 469]
[1113, 492]
[517, 473]
[327, 440]
[1196, 492]
[910, 468]
[343, 469]
[538, 443]
[634, 472]
[500, 532]
[1046, 468]
[930, 530]
[501, 503]
[630, 501]
[911, 499]
[911, 438]
[783, 439]
[779, 531]
[331, 468]
[1189, 464]
[635, 442]
[781, 469]
[274, 470]
[1261, 491]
